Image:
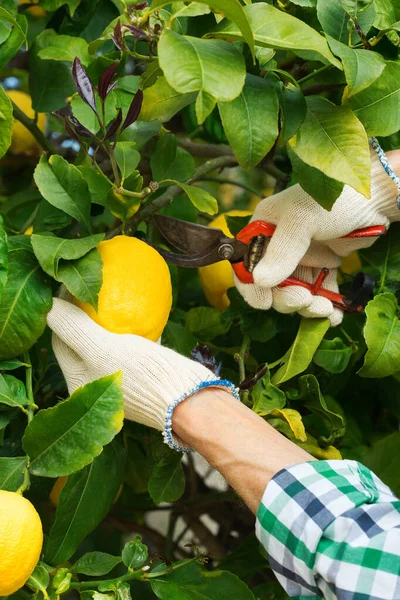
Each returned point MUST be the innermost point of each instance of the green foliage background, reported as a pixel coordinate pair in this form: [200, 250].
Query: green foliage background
[237, 99]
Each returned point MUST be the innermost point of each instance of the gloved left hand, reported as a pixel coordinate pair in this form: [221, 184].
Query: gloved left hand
[155, 378]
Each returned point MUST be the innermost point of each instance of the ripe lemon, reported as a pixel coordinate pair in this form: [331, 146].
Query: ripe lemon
[59, 486]
[217, 279]
[35, 11]
[21, 539]
[23, 141]
[136, 293]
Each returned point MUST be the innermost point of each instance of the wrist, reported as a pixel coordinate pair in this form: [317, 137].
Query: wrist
[242, 446]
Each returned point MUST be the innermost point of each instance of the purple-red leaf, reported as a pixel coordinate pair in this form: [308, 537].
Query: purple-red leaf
[114, 125]
[202, 354]
[83, 84]
[111, 87]
[71, 132]
[69, 117]
[134, 110]
[106, 79]
[141, 5]
[117, 36]
[137, 32]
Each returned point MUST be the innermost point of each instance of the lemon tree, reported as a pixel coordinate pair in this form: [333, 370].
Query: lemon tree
[112, 111]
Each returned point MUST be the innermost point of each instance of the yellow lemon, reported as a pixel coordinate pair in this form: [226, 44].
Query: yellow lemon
[136, 293]
[59, 486]
[28, 230]
[217, 279]
[35, 11]
[23, 141]
[21, 540]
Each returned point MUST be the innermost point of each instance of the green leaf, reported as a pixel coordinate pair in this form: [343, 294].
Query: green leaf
[383, 459]
[25, 301]
[195, 65]
[49, 250]
[178, 338]
[333, 355]
[194, 9]
[63, 186]
[190, 582]
[52, 5]
[256, 109]
[323, 189]
[167, 161]
[310, 395]
[134, 553]
[12, 472]
[336, 22]
[231, 9]
[382, 336]
[332, 140]
[14, 41]
[6, 16]
[292, 421]
[301, 352]
[162, 102]
[384, 257]
[95, 564]
[361, 67]
[293, 109]
[39, 579]
[88, 420]
[99, 186]
[167, 480]
[83, 277]
[11, 365]
[65, 48]
[14, 396]
[50, 82]
[127, 158]
[276, 29]
[3, 256]
[85, 115]
[377, 106]
[205, 323]
[6, 125]
[353, 7]
[84, 502]
[121, 205]
[266, 396]
[385, 14]
[200, 198]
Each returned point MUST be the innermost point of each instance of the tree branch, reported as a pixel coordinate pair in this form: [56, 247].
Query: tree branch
[203, 150]
[34, 129]
[166, 198]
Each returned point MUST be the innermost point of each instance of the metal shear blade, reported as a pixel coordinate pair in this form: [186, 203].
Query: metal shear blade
[201, 245]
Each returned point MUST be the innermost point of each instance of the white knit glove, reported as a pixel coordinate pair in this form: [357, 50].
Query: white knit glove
[308, 236]
[155, 379]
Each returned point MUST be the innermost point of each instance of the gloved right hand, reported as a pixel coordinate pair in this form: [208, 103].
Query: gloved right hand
[155, 378]
[309, 237]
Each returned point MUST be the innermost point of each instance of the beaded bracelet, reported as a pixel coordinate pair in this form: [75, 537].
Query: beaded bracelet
[385, 164]
[167, 433]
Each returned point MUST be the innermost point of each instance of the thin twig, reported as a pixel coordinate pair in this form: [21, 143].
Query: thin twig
[241, 357]
[223, 180]
[34, 129]
[166, 198]
[204, 150]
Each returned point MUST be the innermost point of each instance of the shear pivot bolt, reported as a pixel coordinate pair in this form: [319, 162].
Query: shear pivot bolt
[226, 251]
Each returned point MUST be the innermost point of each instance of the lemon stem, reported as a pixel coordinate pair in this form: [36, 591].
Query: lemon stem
[34, 129]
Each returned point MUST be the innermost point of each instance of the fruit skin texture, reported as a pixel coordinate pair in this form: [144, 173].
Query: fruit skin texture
[23, 141]
[216, 279]
[21, 540]
[136, 294]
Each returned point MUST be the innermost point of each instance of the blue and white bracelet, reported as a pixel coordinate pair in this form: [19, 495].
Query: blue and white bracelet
[385, 164]
[167, 433]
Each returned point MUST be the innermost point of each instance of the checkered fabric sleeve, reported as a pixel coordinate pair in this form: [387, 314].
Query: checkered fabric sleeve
[332, 530]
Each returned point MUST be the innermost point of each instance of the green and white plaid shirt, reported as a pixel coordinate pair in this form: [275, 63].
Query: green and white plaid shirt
[332, 530]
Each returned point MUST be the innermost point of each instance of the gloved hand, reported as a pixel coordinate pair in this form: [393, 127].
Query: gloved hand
[155, 379]
[308, 236]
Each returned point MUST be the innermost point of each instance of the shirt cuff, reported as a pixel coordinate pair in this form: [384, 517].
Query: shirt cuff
[299, 503]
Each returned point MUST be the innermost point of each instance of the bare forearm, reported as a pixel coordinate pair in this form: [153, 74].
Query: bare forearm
[234, 440]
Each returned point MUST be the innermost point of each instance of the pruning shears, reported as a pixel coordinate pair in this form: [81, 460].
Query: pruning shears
[201, 245]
